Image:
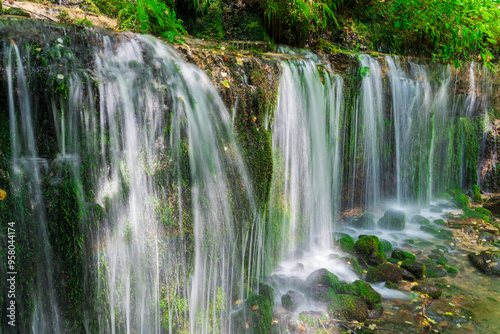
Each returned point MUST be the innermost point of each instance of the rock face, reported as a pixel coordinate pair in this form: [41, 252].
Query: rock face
[348, 308]
[292, 300]
[393, 220]
[493, 204]
[384, 272]
[487, 262]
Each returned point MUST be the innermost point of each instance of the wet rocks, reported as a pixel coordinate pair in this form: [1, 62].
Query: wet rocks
[292, 300]
[366, 221]
[414, 267]
[402, 255]
[254, 317]
[393, 220]
[432, 270]
[323, 277]
[486, 261]
[320, 293]
[417, 219]
[432, 291]
[362, 290]
[370, 249]
[384, 272]
[493, 204]
[348, 308]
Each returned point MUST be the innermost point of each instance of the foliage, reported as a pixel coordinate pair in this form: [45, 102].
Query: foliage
[151, 16]
[292, 21]
[446, 29]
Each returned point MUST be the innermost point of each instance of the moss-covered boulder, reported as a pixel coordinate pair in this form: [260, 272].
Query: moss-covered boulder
[433, 270]
[386, 245]
[476, 194]
[414, 267]
[348, 308]
[292, 300]
[362, 290]
[366, 221]
[339, 235]
[486, 261]
[402, 255]
[320, 293]
[432, 291]
[461, 201]
[255, 317]
[493, 205]
[346, 244]
[438, 258]
[384, 272]
[418, 219]
[323, 277]
[353, 263]
[370, 249]
[483, 211]
[393, 220]
[435, 209]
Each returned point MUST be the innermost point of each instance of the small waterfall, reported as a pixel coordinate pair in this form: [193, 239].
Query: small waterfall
[306, 146]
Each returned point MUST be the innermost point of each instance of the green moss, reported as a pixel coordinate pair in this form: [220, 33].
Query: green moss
[367, 245]
[483, 211]
[255, 317]
[402, 255]
[476, 194]
[362, 290]
[469, 213]
[461, 201]
[346, 245]
[439, 222]
[451, 270]
[347, 308]
[386, 245]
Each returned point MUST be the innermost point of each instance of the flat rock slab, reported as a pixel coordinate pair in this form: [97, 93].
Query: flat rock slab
[476, 222]
[486, 261]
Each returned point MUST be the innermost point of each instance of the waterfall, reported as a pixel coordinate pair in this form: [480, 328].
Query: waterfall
[134, 205]
[155, 183]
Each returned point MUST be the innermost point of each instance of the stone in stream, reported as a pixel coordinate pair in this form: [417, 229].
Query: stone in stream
[432, 270]
[384, 272]
[393, 220]
[366, 221]
[493, 204]
[362, 290]
[432, 291]
[486, 261]
[352, 262]
[418, 219]
[370, 249]
[348, 308]
[402, 255]
[323, 277]
[408, 276]
[414, 267]
[320, 293]
[292, 300]
[435, 209]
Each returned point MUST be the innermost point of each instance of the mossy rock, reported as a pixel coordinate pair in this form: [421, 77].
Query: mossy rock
[429, 229]
[433, 270]
[486, 261]
[483, 211]
[386, 245]
[476, 194]
[366, 221]
[323, 277]
[352, 262]
[469, 213]
[362, 290]
[493, 204]
[292, 300]
[418, 219]
[432, 291]
[461, 201]
[414, 267]
[264, 289]
[371, 249]
[384, 272]
[393, 220]
[348, 308]
[451, 270]
[16, 12]
[439, 222]
[435, 209]
[402, 255]
[346, 244]
[255, 317]
[339, 235]
[320, 293]
[393, 260]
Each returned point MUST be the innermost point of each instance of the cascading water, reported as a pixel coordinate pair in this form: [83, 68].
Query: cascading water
[147, 137]
[132, 201]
